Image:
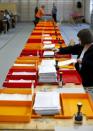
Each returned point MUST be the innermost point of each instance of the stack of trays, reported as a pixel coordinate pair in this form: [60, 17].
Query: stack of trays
[23, 73]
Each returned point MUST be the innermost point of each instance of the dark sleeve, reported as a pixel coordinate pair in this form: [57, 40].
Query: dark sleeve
[74, 50]
[88, 60]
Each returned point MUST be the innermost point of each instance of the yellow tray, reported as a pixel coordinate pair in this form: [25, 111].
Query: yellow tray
[69, 105]
[15, 111]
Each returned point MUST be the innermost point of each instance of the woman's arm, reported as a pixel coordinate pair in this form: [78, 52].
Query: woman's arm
[74, 50]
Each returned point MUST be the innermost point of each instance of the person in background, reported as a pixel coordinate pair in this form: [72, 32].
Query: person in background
[84, 52]
[54, 12]
[13, 21]
[36, 10]
[7, 18]
[39, 14]
[1, 20]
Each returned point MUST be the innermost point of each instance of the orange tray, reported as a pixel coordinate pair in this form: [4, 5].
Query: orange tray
[28, 58]
[37, 31]
[15, 114]
[15, 91]
[34, 62]
[69, 105]
[15, 111]
[51, 28]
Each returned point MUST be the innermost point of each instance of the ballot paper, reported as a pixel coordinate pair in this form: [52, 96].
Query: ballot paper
[17, 97]
[48, 62]
[45, 104]
[24, 64]
[47, 38]
[47, 69]
[47, 42]
[20, 81]
[48, 54]
[51, 46]
[67, 62]
[46, 35]
[23, 73]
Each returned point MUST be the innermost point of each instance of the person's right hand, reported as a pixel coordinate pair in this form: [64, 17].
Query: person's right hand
[56, 50]
[79, 61]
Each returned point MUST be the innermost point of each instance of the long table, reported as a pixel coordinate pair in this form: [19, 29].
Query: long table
[46, 122]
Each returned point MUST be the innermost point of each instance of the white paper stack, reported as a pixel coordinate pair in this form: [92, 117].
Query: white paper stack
[47, 71]
[45, 35]
[51, 62]
[47, 42]
[45, 104]
[48, 54]
[49, 46]
[47, 38]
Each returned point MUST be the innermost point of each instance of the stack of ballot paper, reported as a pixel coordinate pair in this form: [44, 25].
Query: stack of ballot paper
[47, 105]
[51, 62]
[48, 54]
[47, 42]
[47, 38]
[45, 35]
[49, 46]
[47, 72]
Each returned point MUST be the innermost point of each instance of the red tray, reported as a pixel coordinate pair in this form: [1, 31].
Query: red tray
[45, 33]
[46, 29]
[39, 41]
[14, 69]
[25, 77]
[27, 52]
[71, 76]
[45, 26]
[34, 41]
[63, 56]
[17, 85]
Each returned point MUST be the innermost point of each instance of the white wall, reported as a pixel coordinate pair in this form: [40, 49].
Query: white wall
[65, 9]
[87, 11]
[25, 8]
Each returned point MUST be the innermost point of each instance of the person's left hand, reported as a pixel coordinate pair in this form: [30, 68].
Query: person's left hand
[79, 61]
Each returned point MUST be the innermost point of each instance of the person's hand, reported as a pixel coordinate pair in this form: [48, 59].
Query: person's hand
[79, 61]
[55, 50]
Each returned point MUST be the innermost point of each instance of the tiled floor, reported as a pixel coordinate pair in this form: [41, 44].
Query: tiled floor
[12, 43]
